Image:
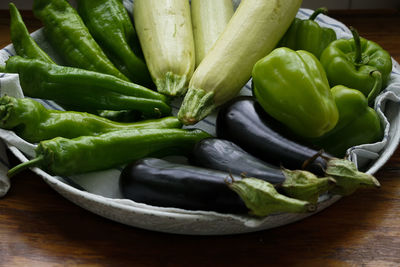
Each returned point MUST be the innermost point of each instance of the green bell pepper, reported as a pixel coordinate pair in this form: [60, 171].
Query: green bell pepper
[110, 25]
[69, 36]
[308, 35]
[358, 123]
[292, 87]
[350, 62]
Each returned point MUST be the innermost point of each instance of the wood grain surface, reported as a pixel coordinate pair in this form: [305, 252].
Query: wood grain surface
[38, 227]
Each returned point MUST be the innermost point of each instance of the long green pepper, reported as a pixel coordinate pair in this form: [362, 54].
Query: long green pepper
[34, 123]
[110, 25]
[23, 43]
[83, 88]
[62, 156]
[68, 34]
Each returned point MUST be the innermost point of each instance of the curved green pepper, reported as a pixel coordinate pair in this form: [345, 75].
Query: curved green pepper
[23, 43]
[358, 124]
[292, 87]
[350, 62]
[83, 88]
[308, 35]
[62, 156]
[68, 34]
[33, 122]
[110, 25]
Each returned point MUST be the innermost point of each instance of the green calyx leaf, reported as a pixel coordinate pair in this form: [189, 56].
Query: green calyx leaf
[348, 178]
[306, 186]
[262, 199]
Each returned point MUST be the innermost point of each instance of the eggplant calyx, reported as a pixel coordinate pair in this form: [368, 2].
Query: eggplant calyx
[262, 199]
[305, 185]
[348, 178]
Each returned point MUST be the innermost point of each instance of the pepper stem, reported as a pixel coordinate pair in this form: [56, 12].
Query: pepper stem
[376, 89]
[23, 166]
[321, 10]
[357, 43]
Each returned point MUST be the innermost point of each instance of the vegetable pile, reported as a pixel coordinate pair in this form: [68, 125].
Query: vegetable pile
[276, 151]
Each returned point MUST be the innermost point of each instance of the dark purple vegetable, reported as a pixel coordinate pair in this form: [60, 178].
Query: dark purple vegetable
[244, 122]
[161, 183]
[223, 155]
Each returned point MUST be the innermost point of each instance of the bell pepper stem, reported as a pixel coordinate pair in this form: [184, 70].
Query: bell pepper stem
[23, 166]
[376, 89]
[357, 43]
[321, 10]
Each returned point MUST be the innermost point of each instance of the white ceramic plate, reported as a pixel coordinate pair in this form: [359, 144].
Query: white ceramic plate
[102, 195]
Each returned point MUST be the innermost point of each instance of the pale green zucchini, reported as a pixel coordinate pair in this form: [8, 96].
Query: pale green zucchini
[165, 33]
[253, 31]
[209, 19]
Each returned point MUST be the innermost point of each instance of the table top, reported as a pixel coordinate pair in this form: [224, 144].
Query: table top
[38, 227]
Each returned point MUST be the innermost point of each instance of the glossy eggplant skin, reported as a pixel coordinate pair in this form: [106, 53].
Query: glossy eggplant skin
[223, 155]
[161, 183]
[244, 122]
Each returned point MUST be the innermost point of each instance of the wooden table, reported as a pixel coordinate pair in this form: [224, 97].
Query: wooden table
[39, 227]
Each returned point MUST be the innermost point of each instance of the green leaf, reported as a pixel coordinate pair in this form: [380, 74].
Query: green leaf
[262, 199]
[305, 185]
[348, 178]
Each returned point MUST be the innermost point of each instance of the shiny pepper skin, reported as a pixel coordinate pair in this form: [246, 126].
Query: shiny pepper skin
[292, 87]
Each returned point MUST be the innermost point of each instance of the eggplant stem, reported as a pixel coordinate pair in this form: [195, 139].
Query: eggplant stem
[321, 10]
[310, 160]
[23, 166]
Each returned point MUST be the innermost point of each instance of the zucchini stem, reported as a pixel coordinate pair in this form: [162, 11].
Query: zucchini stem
[23, 166]
[172, 84]
[196, 105]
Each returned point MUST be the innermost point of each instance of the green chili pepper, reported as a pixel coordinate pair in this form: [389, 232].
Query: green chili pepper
[308, 35]
[110, 25]
[358, 124]
[26, 47]
[23, 43]
[292, 87]
[62, 156]
[350, 62]
[33, 122]
[83, 88]
[68, 35]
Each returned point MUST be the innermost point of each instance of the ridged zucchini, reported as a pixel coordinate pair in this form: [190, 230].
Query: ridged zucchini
[253, 31]
[165, 33]
[209, 19]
